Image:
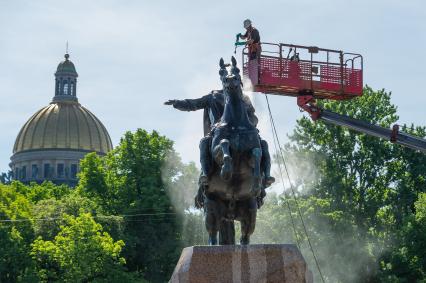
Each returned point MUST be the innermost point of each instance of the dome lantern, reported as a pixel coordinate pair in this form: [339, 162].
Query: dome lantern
[66, 81]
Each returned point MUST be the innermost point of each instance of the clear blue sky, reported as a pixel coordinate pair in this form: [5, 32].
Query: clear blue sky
[133, 55]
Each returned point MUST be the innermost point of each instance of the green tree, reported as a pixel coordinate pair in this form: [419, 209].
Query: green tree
[80, 252]
[15, 237]
[52, 210]
[36, 210]
[132, 181]
[406, 262]
[356, 193]
[92, 182]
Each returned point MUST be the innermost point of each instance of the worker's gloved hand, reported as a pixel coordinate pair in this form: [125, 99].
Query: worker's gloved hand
[170, 102]
[239, 35]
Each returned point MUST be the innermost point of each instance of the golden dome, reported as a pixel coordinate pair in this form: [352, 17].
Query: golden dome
[63, 125]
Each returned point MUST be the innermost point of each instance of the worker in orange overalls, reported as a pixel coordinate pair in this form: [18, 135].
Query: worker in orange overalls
[252, 38]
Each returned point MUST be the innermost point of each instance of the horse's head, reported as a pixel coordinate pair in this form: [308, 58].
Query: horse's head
[231, 81]
[235, 110]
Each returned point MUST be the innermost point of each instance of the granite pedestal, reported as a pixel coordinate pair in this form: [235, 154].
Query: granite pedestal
[252, 263]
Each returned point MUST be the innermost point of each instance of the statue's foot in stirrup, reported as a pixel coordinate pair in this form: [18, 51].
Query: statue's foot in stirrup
[226, 171]
[269, 180]
[203, 181]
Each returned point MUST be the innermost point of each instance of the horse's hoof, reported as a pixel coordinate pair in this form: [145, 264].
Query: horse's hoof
[212, 241]
[244, 240]
[226, 171]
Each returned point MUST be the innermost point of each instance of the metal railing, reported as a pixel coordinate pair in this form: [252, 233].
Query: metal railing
[320, 69]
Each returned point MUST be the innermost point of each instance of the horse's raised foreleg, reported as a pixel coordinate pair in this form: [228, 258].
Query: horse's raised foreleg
[226, 171]
[257, 156]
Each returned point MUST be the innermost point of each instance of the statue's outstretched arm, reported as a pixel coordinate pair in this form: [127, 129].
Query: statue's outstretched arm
[189, 104]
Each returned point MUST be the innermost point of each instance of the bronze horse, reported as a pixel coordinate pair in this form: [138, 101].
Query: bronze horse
[236, 177]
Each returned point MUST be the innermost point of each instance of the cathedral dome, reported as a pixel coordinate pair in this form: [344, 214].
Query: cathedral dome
[52, 142]
[63, 125]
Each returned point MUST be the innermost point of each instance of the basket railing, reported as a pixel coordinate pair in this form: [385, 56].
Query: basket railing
[327, 72]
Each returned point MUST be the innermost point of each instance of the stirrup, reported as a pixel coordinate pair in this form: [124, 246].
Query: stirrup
[203, 181]
[269, 181]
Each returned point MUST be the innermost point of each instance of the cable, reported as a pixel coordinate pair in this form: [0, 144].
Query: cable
[282, 182]
[292, 188]
[139, 209]
[96, 216]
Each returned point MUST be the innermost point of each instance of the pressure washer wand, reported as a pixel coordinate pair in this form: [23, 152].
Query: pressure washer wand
[238, 42]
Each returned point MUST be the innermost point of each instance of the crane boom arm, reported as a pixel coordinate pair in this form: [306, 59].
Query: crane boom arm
[307, 103]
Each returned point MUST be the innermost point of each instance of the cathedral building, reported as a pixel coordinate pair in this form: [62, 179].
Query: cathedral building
[52, 142]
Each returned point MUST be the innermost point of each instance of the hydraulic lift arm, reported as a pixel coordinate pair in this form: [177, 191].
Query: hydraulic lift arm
[307, 103]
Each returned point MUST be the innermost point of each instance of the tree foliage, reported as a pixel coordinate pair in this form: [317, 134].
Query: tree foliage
[15, 237]
[134, 180]
[80, 252]
[358, 195]
[121, 209]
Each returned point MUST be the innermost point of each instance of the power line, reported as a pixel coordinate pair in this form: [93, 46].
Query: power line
[147, 209]
[292, 188]
[95, 217]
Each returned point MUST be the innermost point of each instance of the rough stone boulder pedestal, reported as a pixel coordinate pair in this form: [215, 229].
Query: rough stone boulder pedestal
[252, 263]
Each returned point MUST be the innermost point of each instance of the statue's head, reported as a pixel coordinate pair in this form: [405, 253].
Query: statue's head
[230, 81]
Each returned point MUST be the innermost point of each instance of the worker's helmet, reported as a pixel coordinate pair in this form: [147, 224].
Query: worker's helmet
[247, 23]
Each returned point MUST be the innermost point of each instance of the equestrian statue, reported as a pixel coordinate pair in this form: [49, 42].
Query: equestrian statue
[235, 161]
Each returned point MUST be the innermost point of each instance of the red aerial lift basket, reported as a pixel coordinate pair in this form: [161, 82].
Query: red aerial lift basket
[294, 70]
